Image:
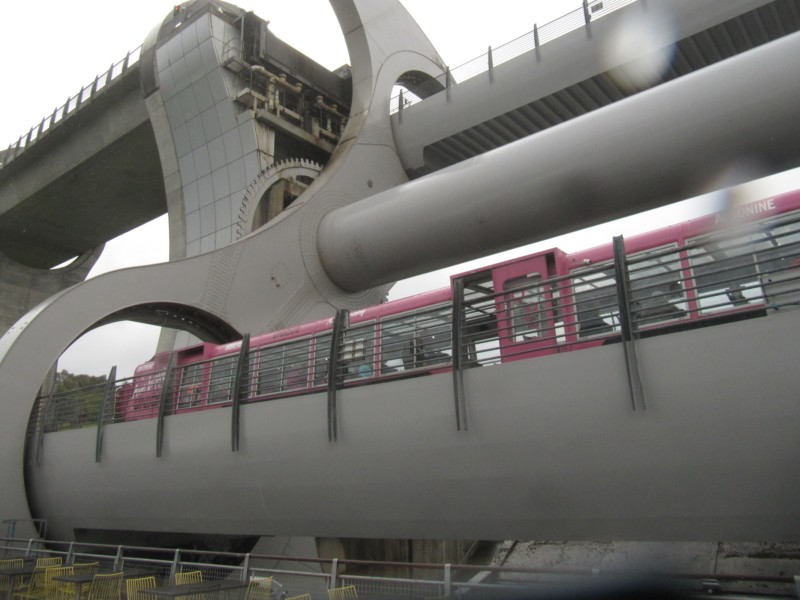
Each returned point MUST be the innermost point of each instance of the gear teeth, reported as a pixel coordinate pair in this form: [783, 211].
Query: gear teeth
[266, 178]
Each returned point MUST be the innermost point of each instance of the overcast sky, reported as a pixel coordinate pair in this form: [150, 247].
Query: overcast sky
[51, 48]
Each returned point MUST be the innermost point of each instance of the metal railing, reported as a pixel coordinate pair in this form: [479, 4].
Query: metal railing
[381, 580]
[86, 94]
[485, 63]
[714, 278]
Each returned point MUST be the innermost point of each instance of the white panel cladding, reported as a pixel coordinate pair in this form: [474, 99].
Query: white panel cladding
[209, 132]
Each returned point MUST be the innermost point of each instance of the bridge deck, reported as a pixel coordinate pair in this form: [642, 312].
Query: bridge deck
[577, 73]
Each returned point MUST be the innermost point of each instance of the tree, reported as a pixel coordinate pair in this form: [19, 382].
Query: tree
[66, 381]
[78, 397]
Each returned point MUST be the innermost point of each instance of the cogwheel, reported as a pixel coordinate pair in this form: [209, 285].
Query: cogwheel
[272, 191]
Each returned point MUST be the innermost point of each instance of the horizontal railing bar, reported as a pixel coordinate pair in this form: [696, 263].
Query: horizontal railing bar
[74, 102]
[516, 47]
[86, 551]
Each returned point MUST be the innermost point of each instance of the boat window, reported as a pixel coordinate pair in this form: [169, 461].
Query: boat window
[525, 308]
[595, 297]
[322, 355]
[416, 341]
[223, 372]
[283, 367]
[357, 352]
[295, 371]
[779, 263]
[725, 272]
[657, 292]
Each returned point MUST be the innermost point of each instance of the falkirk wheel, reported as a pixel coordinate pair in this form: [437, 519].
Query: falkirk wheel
[259, 282]
[355, 226]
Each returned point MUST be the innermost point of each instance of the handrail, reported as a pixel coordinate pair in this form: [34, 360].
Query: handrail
[531, 40]
[71, 106]
[236, 566]
[707, 280]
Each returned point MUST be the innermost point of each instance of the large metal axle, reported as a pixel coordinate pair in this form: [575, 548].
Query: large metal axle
[658, 147]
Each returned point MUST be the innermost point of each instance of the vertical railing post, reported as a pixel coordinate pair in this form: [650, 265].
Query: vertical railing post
[587, 18]
[626, 325]
[118, 559]
[162, 405]
[176, 561]
[400, 106]
[127, 60]
[458, 357]
[246, 569]
[69, 558]
[94, 86]
[340, 323]
[491, 65]
[536, 42]
[448, 581]
[109, 73]
[242, 367]
[447, 83]
[334, 573]
[42, 417]
[108, 396]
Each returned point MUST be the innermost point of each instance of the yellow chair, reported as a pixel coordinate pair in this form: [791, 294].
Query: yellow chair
[258, 589]
[11, 563]
[106, 586]
[57, 590]
[7, 582]
[300, 597]
[49, 561]
[34, 588]
[188, 577]
[132, 586]
[347, 592]
[88, 568]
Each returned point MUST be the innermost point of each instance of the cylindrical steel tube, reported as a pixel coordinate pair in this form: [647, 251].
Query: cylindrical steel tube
[660, 146]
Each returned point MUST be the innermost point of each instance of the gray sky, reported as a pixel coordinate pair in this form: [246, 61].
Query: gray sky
[50, 49]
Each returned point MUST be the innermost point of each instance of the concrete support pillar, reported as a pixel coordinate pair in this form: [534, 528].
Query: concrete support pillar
[22, 287]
